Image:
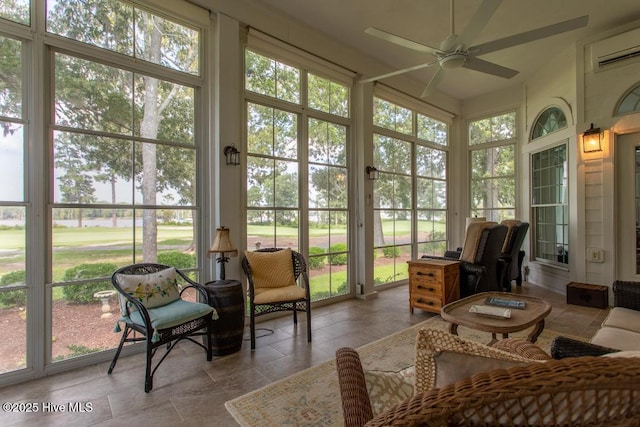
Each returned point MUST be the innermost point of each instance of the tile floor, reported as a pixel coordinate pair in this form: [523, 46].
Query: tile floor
[190, 391]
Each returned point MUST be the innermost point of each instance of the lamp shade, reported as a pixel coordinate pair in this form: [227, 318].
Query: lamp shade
[222, 242]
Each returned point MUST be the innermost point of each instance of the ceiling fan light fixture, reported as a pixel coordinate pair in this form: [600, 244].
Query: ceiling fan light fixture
[453, 60]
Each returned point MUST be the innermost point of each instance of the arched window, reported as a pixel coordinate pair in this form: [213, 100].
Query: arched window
[550, 120]
[630, 102]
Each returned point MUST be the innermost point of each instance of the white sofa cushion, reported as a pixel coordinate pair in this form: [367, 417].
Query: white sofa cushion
[621, 339]
[623, 318]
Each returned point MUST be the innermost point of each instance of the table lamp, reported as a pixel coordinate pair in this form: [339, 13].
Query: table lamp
[221, 245]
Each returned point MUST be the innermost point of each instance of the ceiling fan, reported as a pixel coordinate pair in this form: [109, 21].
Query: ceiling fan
[456, 51]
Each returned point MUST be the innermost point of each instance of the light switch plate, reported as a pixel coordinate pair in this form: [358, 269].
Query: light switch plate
[595, 255]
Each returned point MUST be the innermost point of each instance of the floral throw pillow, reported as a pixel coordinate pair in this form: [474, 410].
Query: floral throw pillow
[152, 290]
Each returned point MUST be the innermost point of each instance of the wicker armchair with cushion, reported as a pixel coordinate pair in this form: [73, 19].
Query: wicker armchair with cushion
[520, 391]
[273, 275]
[151, 304]
[479, 257]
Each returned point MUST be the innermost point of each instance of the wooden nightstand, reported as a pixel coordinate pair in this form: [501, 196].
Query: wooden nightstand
[433, 283]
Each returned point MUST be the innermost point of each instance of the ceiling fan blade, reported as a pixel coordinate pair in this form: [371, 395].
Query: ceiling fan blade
[489, 68]
[433, 83]
[529, 36]
[395, 73]
[392, 38]
[479, 20]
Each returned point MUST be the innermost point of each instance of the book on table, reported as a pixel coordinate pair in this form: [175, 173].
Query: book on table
[487, 310]
[505, 302]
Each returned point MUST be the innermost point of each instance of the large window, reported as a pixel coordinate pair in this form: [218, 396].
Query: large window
[549, 202]
[492, 157]
[411, 192]
[111, 165]
[297, 167]
[13, 206]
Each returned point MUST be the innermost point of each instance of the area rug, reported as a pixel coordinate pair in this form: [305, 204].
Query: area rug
[312, 397]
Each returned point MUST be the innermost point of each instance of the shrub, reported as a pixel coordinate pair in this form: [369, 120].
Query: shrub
[391, 251]
[177, 259]
[316, 261]
[13, 298]
[83, 293]
[338, 259]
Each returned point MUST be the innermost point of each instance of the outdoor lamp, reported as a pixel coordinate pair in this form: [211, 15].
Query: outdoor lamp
[372, 173]
[232, 154]
[591, 140]
[221, 245]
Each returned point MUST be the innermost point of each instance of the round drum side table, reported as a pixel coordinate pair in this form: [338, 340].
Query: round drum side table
[226, 296]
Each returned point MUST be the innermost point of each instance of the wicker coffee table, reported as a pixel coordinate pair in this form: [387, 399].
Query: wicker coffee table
[457, 313]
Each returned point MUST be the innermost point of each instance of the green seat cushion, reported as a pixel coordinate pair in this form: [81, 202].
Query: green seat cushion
[172, 314]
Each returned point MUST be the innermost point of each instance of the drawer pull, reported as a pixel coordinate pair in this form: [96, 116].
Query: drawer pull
[429, 289]
[421, 301]
[430, 274]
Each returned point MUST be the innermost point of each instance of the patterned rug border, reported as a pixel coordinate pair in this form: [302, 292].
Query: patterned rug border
[309, 406]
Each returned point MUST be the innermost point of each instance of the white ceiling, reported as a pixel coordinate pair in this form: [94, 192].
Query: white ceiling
[428, 22]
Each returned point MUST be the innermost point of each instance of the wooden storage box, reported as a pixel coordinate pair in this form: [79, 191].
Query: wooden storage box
[587, 295]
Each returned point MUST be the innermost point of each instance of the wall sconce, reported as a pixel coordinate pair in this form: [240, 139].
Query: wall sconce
[221, 244]
[232, 154]
[591, 140]
[372, 173]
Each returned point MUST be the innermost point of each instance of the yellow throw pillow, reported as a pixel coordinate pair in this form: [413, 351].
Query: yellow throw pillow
[271, 269]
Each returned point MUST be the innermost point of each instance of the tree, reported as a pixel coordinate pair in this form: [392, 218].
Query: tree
[94, 97]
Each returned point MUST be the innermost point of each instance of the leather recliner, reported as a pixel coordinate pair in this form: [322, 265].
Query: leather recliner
[479, 258]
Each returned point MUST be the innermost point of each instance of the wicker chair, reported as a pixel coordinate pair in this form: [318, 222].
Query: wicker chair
[579, 391]
[151, 304]
[271, 300]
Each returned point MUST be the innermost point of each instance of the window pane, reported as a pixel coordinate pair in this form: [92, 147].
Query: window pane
[12, 245]
[167, 43]
[165, 175]
[549, 201]
[109, 24]
[11, 82]
[16, 11]
[260, 182]
[286, 184]
[92, 169]
[432, 130]
[287, 229]
[630, 103]
[327, 142]
[104, 23]
[11, 162]
[13, 295]
[328, 96]
[496, 128]
[392, 116]
[285, 134]
[551, 120]
[402, 192]
[272, 132]
[93, 96]
[271, 78]
[430, 162]
[14, 320]
[164, 111]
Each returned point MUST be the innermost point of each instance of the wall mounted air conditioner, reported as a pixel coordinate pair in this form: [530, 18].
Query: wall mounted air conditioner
[615, 50]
